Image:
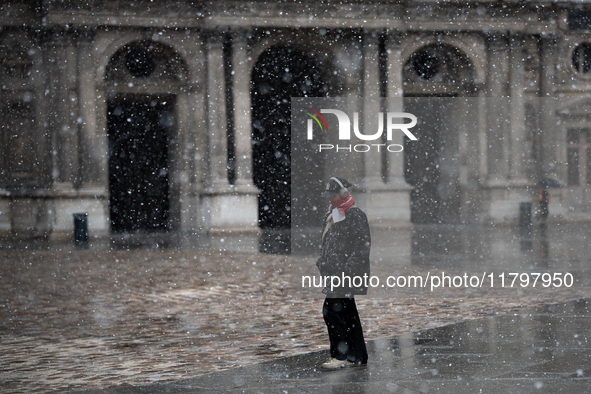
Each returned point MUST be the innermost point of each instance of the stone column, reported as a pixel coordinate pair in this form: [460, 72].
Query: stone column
[395, 104]
[549, 162]
[337, 163]
[506, 206]
[552, 160]
[371, 107]
[387, 204]
[246, 194]
[232, 210]
[180, 185]
[65, 136]
[497, 119]
[92, 174]
[195, 219]
[396, 181]
[216, 113]
[499, 207]
[518, 154]
[64, 139]
[57, 87]
[93, 170]
[242, 109]
[506, 185]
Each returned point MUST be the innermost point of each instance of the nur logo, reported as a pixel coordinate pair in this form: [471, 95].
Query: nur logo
[344, 123]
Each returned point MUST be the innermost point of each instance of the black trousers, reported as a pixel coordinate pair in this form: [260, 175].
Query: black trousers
[344, 330]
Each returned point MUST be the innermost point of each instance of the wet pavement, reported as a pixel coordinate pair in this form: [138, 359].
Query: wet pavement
[541, 350]
[93, 319]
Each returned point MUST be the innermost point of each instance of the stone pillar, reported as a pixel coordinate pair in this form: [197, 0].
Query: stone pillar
[66, 137]
[350, 164]
[395, 104]
[552, 162]
[246, 194]
[482, 138]
[216, 113]
[29, 206]
[92, 174]
[64, 152]
[549, 162]
[191, 216]
[499, 206]
[242, 109]
[497, 119]
[181, 184]
[471, 134]
[396, 181]
[387, 203]
[371, 106]
[232, 210]
[518, 154]
[507, 184]
[519, 188]
[194, 220]
[93, 170]
[57, 87]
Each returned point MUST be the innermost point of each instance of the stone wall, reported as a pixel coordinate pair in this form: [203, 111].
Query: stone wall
[55, 91]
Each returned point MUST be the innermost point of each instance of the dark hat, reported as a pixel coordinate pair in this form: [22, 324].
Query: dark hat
[336, 185]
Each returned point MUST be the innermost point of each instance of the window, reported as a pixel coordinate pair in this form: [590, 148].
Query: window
[579, 19]
[581, 58]
[578, 153]
[16, 63]
[426, 63]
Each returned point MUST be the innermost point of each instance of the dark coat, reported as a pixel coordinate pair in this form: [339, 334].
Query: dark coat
[345, 251]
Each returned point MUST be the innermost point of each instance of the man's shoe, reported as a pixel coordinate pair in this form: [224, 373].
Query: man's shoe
[333, 363]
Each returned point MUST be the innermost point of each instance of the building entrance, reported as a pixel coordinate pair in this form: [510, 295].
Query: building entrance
[431, 164]
[279, 74]
[138, 131]
[435, 77]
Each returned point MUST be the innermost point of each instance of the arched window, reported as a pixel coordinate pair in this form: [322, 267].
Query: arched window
[145, 63]
[438, 69]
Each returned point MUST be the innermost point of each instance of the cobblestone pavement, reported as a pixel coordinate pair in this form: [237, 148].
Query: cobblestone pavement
[84, 319]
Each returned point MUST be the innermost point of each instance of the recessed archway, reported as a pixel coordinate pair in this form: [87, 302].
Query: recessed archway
[432, 76]
[138, 130]
[281, 72]
[142, 81]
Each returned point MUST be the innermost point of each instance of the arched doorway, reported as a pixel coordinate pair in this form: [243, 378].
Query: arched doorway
[280, 73]
[433, 76]
[142, 80]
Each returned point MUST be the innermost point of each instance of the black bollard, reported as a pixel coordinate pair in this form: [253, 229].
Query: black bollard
[81, 230]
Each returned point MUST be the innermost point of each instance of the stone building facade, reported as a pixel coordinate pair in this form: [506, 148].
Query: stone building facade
[105, 99]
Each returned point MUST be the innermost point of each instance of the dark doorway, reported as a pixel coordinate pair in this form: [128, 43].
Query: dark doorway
[436, 77]
[279, 74]
[138, 129]
[431, 165]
